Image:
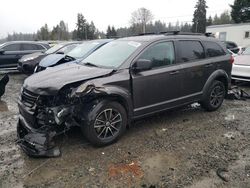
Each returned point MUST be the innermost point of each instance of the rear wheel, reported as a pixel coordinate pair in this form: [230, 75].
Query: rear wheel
[106, 122]
[214, 96]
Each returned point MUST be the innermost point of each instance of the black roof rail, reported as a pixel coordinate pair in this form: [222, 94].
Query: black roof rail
[180, 33]
[170, 32]
[114, 37]
[177, 32]
[150, 33]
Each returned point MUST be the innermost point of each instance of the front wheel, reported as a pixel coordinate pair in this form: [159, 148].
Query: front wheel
[105, 123]
[214, 96]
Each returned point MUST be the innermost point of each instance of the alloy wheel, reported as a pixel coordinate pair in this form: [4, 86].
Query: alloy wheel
[108, 123]
[217, 96]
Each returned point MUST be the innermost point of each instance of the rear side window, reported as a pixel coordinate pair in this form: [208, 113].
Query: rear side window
[191, 51]
[213, 49]
[12, 47]
[160, 54]
[31, 47]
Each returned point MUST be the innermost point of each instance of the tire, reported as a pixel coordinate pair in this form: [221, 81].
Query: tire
[105, 123]
[214, 97]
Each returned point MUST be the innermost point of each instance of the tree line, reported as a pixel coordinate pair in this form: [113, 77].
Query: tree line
[141, 21]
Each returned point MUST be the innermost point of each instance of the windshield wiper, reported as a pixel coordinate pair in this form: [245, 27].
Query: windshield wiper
[70, 57]
[90, 64]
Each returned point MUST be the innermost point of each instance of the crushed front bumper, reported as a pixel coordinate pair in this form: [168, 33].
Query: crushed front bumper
[38, 141]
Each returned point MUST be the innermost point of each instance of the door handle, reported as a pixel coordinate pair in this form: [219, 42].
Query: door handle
[174, 72]
[208, 65]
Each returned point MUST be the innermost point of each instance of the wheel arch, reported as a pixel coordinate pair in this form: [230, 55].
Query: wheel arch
[115, 94]
[219, 75]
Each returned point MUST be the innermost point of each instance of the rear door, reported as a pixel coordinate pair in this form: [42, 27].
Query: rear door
[196, 68]
[157, 89]
[10, 56]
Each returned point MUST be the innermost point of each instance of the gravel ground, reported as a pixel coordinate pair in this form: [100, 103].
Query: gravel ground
[187, 147]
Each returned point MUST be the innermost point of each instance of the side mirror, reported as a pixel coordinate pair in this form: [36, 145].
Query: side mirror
[2, 51]
[59, 53]
[142, 65]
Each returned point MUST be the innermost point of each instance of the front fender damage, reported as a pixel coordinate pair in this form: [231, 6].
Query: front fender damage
[39, 142]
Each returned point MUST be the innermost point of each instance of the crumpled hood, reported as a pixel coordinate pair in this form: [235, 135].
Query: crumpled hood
[242, 60]
[51, 59]
[33, 55]
[51, 80]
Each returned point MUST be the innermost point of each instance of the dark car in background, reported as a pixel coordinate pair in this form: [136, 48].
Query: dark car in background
[126, 79]
[11, 52]
[28, 63]
[233, 47]
[77, 54]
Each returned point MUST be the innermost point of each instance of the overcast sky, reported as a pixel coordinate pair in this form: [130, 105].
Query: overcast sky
[28, 16]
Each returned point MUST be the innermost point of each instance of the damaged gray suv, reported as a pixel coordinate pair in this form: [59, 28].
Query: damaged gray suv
[127, 79]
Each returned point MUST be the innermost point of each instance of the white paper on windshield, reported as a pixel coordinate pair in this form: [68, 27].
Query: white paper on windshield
[135, 44]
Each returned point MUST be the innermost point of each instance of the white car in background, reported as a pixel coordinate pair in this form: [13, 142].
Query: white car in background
[241, 66]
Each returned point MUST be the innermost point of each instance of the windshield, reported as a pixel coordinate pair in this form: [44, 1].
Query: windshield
[54, 48]
[82, 49]
[112, 54]
[247, 51]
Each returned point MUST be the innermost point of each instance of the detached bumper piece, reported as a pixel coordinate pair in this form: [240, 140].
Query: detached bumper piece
[36, 144]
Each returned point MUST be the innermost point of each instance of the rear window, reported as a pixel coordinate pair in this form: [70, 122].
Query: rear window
[213, 49]
[191, 51]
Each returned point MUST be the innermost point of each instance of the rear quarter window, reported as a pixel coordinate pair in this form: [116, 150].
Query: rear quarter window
[191, 51]
[213, 49]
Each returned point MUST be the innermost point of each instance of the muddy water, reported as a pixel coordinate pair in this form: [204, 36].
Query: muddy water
[180, 148]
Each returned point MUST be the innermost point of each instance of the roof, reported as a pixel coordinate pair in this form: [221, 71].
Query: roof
[228, 25]
[100, 40]
[31, 42]
[154, 37]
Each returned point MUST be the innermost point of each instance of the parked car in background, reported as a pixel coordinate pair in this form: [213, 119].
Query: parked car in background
[233, 54]
[77, 54]
[233, 47]
[126, 79]
[28, 63]
[11, 52]
[241, 66]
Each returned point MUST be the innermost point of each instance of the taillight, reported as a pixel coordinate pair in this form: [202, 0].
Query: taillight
[231, 59]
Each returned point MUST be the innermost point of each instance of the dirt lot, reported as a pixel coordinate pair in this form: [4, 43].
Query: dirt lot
[182, 148]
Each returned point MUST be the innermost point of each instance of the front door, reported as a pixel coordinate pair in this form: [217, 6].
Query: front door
[156, 89]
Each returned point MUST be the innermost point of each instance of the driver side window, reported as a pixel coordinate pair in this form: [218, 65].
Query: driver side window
[161, 54]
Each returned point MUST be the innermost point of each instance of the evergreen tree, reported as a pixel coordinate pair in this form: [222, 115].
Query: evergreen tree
[113, 32]
[109, 32]
[81, 27]
[241, 11]
[225, 18]
[63, 31]
[199, 20]
[91, 30]
[43, 33]
[209, 21]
